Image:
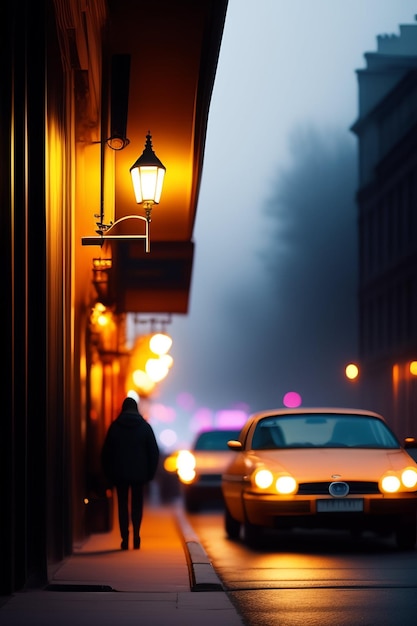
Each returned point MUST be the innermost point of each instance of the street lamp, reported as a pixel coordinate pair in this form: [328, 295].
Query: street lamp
[148, 178]
[352, 371]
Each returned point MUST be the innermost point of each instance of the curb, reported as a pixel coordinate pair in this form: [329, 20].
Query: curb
[200, 570]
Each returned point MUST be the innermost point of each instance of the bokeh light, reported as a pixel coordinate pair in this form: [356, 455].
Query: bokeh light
[160, 343]
[185, 401]
[168, 438]
[202, 420]
[163, 413]
[230, 419]
[352, 371]
[143, 382]
[291, 399]
[156, 369]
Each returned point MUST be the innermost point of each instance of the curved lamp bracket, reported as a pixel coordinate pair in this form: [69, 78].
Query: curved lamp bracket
[105, 233]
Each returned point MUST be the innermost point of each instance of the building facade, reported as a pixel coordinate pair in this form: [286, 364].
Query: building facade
[386, 129]
[65, 166]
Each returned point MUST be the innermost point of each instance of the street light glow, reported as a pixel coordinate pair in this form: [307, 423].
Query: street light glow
[352, 371]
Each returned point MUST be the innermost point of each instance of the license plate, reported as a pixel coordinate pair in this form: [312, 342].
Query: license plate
[339, 506]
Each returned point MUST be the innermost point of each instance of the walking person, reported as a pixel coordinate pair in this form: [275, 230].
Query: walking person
[129, 458]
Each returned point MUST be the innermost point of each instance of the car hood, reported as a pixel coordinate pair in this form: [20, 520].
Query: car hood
[310, 465]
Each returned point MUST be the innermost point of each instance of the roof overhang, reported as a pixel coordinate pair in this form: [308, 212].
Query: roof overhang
[173, 49]
[152, 283]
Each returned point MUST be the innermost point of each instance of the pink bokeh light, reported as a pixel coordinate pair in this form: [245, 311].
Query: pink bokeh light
[186, 401]
[202, 419]
[163, 413]
[230, 419]
[291, 400]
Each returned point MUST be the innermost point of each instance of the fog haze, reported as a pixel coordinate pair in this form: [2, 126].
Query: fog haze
[273, 303]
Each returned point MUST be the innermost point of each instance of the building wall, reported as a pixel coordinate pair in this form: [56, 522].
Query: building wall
[63, 378]
[387, 134]
[24, 331]
[44, 315]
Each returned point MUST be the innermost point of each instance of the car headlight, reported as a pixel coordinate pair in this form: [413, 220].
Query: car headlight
[283, 484]
[393, 482]
[286, 485]
[390, 483]
[185, 466]
[409, 477]
[170, 463]
[263, 478]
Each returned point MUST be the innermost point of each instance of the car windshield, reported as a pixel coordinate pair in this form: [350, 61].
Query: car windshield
[322, 431]
[215, 440]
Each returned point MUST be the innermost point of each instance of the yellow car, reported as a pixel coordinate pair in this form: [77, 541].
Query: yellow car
[320, 468]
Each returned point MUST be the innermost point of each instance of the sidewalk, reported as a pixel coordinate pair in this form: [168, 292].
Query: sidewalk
[168, 582]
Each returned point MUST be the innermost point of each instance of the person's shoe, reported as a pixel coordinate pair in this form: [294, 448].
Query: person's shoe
[124, 545]
[136, 543]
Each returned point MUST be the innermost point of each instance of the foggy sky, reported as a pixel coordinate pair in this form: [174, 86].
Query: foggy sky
[273, 300]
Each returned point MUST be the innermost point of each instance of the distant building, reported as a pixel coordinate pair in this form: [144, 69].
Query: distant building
[387, 226]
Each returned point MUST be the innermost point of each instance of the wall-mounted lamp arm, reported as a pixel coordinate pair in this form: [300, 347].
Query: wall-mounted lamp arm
[105, 234]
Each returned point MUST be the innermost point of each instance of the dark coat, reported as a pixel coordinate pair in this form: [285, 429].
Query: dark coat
[130, 452]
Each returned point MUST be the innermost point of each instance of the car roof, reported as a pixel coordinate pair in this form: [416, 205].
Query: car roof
[255, 417]
[314, 411]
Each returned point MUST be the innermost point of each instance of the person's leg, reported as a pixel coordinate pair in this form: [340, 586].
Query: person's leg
[122, 503]
[137, 512]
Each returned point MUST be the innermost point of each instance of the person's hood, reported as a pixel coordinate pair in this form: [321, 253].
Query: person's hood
[129, 420]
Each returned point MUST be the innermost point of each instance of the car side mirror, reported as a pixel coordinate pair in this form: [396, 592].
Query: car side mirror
[234, 445]
[410, 442]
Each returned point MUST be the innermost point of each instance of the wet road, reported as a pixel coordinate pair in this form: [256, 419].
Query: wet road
[313, 578]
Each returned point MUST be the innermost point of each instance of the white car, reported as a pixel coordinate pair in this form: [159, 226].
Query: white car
[200, 469]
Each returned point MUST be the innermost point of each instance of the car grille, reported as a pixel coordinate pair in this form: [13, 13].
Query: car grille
[355, 488]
